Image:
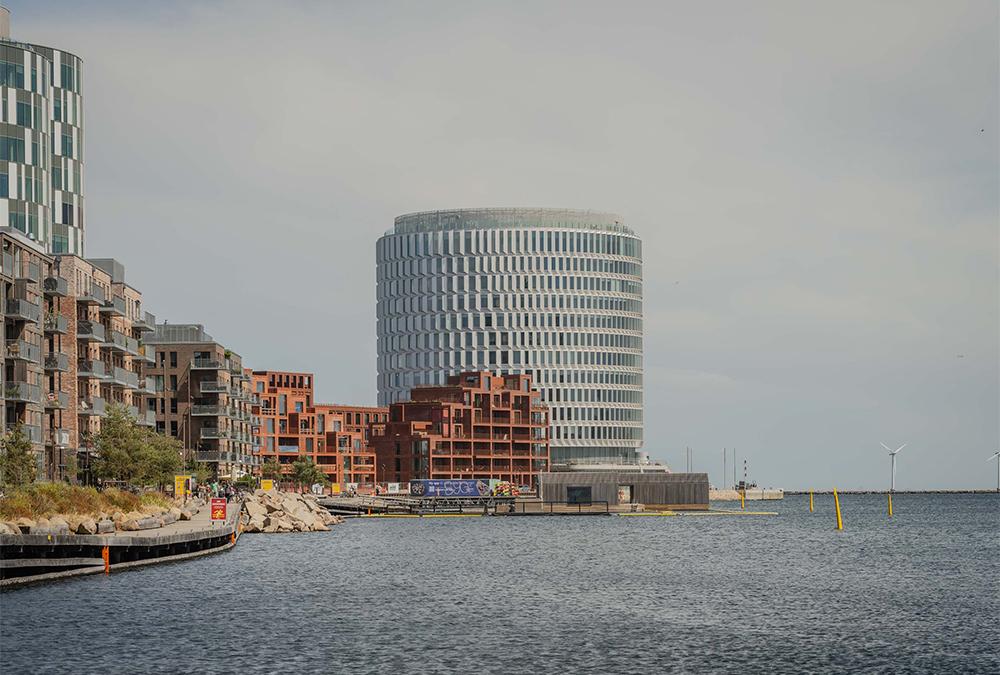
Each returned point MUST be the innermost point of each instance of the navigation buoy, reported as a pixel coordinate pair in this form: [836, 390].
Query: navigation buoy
[890, 505]
[836, 503]
[810, 501]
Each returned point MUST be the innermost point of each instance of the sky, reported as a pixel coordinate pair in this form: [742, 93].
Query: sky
[815, 184]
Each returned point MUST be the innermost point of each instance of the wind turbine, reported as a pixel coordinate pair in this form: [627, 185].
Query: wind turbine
[892, 454]
[996, 456]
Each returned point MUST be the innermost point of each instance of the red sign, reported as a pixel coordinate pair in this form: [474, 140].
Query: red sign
[218, 508]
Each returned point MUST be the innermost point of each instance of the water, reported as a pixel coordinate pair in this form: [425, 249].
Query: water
[918, 593]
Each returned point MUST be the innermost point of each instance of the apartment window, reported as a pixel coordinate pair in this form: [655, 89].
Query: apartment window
[173, 383]
[260, 387]
[173, 405]
[173, 428]
[173, 359]
[163, 406]
[298, 406]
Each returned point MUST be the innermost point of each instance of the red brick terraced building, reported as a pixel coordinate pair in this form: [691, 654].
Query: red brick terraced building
[293, 425]
[479, 425]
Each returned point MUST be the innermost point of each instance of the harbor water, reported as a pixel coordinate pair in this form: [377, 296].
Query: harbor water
[788, 593]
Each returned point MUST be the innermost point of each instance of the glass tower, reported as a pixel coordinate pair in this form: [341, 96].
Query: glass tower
[551, 292]
[41, 142]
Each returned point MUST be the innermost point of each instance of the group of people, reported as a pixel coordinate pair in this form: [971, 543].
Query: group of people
[217, 489]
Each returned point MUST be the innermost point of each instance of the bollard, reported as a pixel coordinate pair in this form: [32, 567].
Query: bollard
[810, 501]
[106, 557]
[743, 499]
[890, 505]
[836, 503]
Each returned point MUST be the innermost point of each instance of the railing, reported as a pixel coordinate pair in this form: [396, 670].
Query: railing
[23, 351]
[214, 387]
[93, 406]
[200, 363]
[89, 330]
[28, 271]
[22, 309]
[57, 437]
[23, 392]
[124, 377]
[56, 400]
[86, 368]
[147, 385]
[147, 322]
[55, 323]
[208, 410]
[209, 433]
[32, 432]
[55, 286]
[92, 295]
[148, 353]
[123, 342]
[57, 362]
[146, 418]
[116, 305]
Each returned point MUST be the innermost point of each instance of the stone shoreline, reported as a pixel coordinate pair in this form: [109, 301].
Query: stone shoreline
[276, 512]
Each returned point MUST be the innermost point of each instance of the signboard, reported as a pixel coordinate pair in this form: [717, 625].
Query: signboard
[335, 489]
[317, 488]
[393, 488]
[266, 484]
[181, 485]
[218, 508]
[449, 488]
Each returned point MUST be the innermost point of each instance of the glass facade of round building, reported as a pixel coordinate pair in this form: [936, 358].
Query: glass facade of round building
[41, 144]
[550, 292]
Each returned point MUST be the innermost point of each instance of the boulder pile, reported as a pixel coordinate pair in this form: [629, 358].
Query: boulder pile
[285, 512]
[147, 518]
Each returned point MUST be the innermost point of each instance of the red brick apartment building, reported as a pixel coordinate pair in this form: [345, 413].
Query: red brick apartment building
[293, 425]
[479, 425]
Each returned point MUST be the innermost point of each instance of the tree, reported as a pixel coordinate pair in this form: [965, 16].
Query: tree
[247, 481]
[305, 472]
[161, 459]
[271, 469]
[120, 445]
[17, 460]
[201, 471]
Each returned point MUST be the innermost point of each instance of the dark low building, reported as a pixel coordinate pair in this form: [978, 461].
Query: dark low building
[654, 487]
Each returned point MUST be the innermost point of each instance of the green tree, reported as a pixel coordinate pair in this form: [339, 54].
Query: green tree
[201, 471]
[248, 482]
[161, 459]
[120, 446]
[271, 469]
[305, 472]
[18, 465]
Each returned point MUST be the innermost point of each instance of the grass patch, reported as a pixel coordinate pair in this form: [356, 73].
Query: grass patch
[48, 499]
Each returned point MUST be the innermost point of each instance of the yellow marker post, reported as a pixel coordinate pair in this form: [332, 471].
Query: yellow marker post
[743, 499]
[890, 505]
[810, 501]
[836, 503]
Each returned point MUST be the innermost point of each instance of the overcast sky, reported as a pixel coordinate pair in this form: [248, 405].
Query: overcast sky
[816, 185]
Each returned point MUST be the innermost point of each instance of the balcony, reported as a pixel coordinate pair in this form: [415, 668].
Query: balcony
[145, 323]
[92, 406]
[208, 411]
[148, 354]
[91, 296]
[214, 387]
[22, 392]
[114, 307]
[147, 419]
[19, 350]
[210, 456]
[57, 362]
[28, 271]
[56, 325]
[91, 331]
[22, 310]
[58, 438]
[94, 369]
[55, 287]
[33, 433]
[200, 363]
[147, 385]
[123, 343]
[120, 377]
[56, 400]
[212, 433]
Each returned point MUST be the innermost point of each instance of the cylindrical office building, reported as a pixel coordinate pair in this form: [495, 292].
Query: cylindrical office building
[554, 293]
[41, 142]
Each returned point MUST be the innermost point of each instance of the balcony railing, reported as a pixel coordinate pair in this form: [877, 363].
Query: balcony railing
[34, 433]
[58, 438]
[86, 368]
[28, 271]
[147, 385]
[23, 392]
[89, 330]
[214, 387]
[122, 342]
[209, 433]
[211, 456]
[209, 410]
[147, 322]
[56, 400]
[148, 354]
[94, 405]
[20, 350]
[201, 363]
[91, 296]
[55, 323]
[115, 306]
[147, 418]
[124, 378]
[57, 362]
[22, 310]
[55, 287]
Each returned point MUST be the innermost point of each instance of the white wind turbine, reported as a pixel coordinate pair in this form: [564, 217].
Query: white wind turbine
[996, 456]
[892, 454]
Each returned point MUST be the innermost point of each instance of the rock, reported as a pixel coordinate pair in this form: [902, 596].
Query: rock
[130, 525]
[319, 527]
[186, 514]
[135, 515]
[177, 513]
[105, 527]
[86, 526]
[149, 522]
[255, 508]
[25, 524]
[168, 518]
[9, 529]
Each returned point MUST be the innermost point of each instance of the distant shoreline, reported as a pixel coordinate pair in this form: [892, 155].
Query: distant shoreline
[897, 492]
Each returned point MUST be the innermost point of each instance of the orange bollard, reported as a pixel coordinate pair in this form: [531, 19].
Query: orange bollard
[106, 557]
